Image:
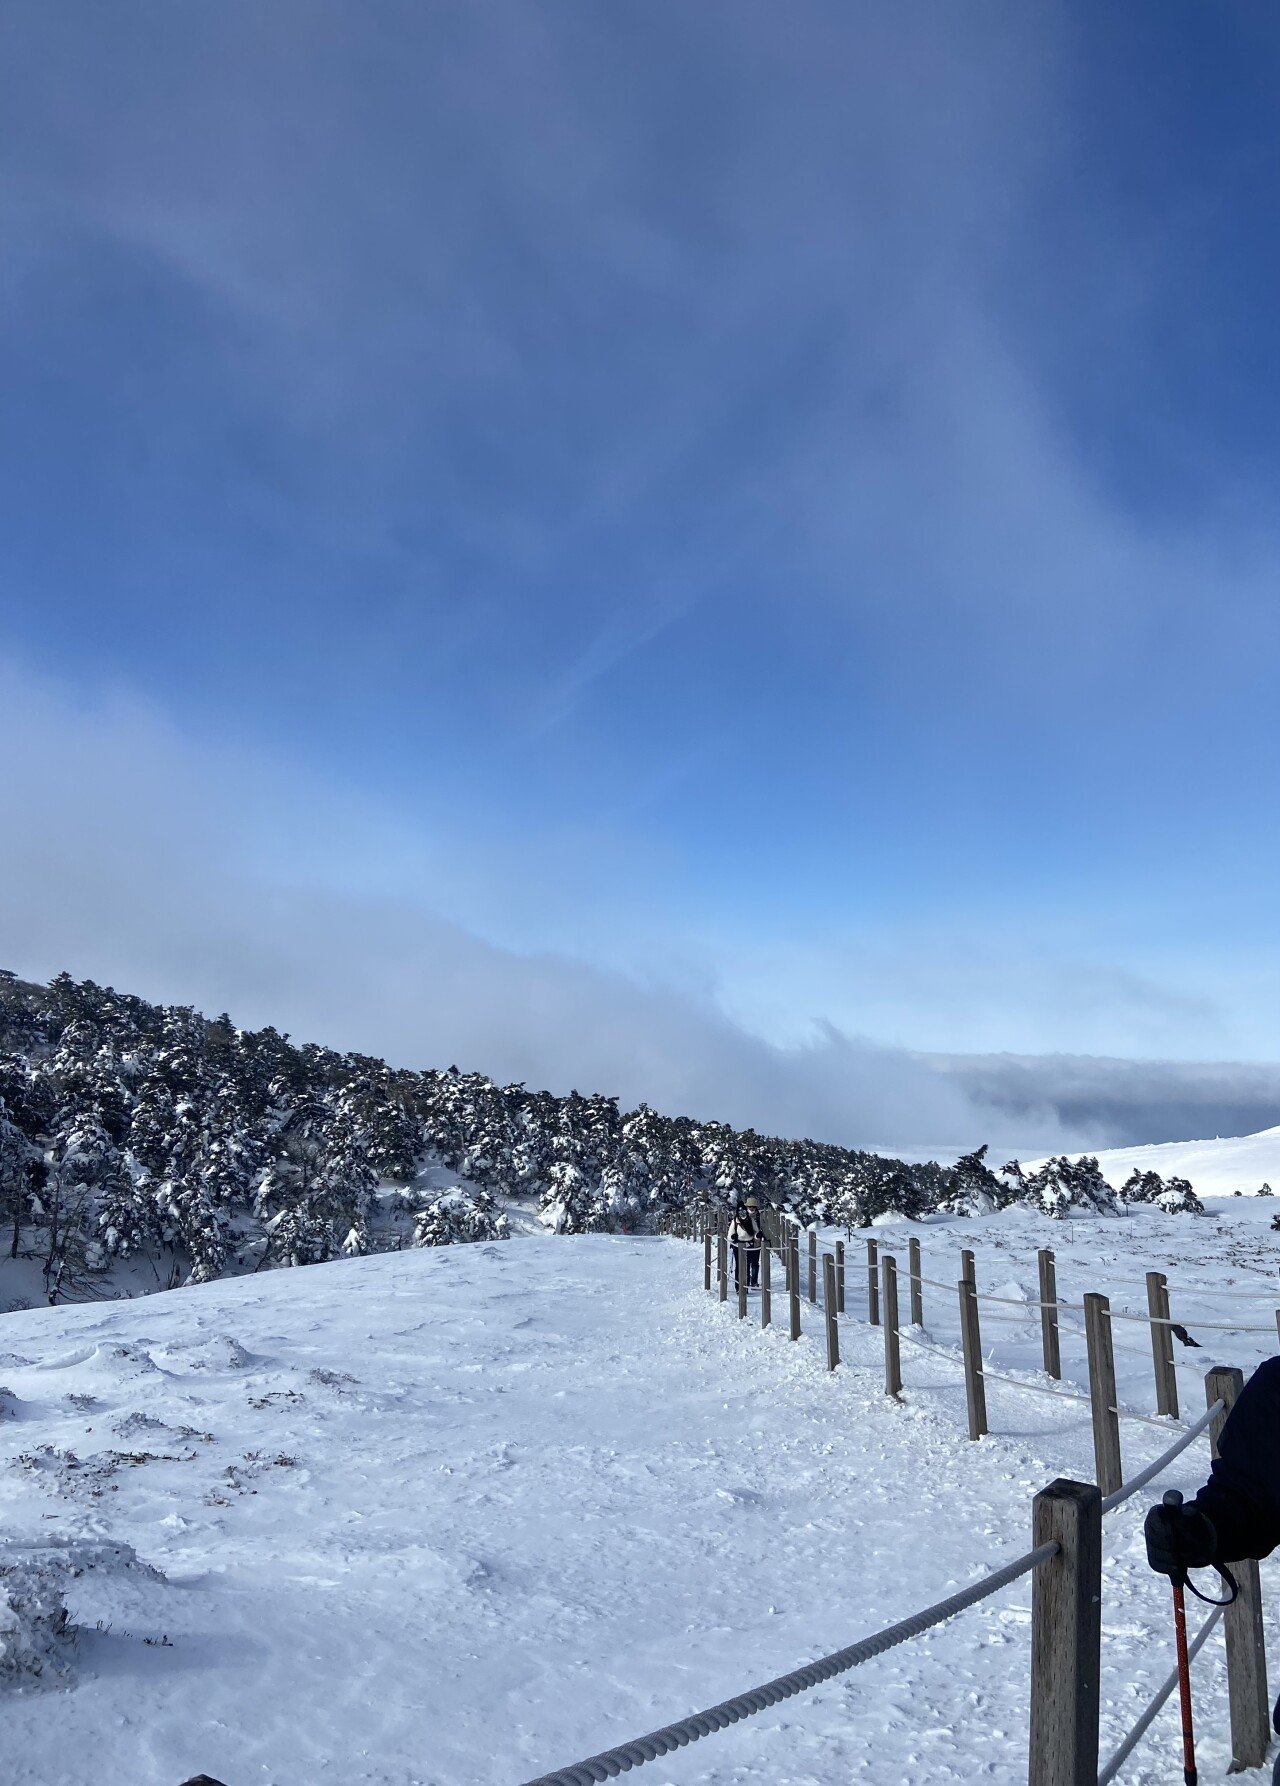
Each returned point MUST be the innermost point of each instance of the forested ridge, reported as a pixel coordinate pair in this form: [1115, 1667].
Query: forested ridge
[150, 1134]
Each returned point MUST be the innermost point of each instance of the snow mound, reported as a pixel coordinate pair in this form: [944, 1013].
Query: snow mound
[36, 1634]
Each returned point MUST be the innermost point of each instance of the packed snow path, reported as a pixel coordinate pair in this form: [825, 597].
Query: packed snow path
[454, 1518]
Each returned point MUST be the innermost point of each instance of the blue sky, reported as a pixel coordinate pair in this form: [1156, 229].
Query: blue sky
[768, 509]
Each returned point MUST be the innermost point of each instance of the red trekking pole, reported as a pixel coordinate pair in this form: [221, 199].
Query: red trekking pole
[1189, 1774]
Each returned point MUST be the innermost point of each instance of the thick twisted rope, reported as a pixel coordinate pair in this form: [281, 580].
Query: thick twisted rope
[1163, 1461]
[1108, 1773]
[620, 1760]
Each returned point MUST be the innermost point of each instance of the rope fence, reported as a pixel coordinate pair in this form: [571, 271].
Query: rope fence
[1067, 1516]
[1065, 1561]
[1028, 1304]
[1126, 1489]
[1108, 1772]
[625, 1756]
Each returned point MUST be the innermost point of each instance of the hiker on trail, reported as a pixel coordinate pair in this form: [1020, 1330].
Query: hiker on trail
[745, 1231]
[1237, 1512]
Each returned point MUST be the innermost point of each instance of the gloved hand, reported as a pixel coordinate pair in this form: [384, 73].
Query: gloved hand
[1178, 1539]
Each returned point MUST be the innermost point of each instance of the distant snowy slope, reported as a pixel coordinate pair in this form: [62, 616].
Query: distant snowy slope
[1216, 1168]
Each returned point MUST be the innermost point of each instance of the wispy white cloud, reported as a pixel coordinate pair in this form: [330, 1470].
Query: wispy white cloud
[135, 855]
[127, 859]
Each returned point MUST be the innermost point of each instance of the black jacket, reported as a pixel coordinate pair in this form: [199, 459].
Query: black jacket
[1242, 1496]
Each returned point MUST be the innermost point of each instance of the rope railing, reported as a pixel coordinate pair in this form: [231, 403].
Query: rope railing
[1108, 1772]
[625, 1756]
[1162, 1423]
[990, 1376]
[1068, 1511]
[1162, 1463]
[1032, 1306]
[1066, 1616]
[1189, 1321]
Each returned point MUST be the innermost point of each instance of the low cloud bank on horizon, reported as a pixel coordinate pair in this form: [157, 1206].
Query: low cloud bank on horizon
[141, 860]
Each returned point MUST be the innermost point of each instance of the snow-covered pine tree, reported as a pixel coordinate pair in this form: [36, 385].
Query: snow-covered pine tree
[190, 1225]
[569, 1205]
[151, 1123]
[1175, 1195]
[293, 1203]
[846, 1201]
[83, 1160]
[459, 1216]
[226, 1129]
[1064, 1186]
[296, 1235]
[379, 1104]
[1142, 1187]
[16, 1154]
[974, 1188]
[532, 1149]
[346, 1181]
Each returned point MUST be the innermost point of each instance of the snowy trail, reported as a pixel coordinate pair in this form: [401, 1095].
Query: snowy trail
[461, 1516]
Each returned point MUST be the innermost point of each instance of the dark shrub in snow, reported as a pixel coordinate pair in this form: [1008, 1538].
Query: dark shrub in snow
[1175, 1195]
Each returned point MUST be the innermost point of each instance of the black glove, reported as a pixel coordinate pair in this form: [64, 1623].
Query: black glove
[1178, 1539]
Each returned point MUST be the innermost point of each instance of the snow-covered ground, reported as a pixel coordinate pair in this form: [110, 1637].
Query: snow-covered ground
[454, 1517]
[1215, 1168]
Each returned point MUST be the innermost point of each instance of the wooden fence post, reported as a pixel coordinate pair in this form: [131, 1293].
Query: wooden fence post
[1246, 1644]
[1162, 1344]
[740, 1265]
[766, 1288]
[967, 1271]
[1066, 1636]
[840, 1277]
[892, 1344]
[722, 1264]
[829, 1310]
[1102, 1392]
[873, 1282]
[917, 1288]
[813, 1265]
[1049, 1343]
[793, 1286]
[706, 1260]
[971, 1344]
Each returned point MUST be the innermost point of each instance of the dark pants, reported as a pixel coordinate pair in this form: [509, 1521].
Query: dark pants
[753, 1267]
